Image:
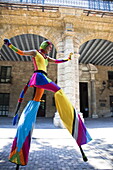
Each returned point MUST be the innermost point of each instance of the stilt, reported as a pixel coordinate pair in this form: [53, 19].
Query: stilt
[17, 167]
[83, 154]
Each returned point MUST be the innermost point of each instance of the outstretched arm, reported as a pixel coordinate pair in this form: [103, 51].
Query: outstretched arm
[57, 61]
[18, 51]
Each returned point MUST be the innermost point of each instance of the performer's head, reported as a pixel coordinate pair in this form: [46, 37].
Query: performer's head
[46, 47]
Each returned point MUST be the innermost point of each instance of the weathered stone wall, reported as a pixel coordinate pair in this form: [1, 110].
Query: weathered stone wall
[68, 29]
[54, 25]
[103, 97]
[21, 72]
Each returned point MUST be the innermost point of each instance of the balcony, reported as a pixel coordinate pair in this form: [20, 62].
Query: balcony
[100, 5]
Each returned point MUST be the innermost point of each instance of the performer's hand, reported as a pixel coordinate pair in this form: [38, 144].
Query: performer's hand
[70, 56]
[7, 42]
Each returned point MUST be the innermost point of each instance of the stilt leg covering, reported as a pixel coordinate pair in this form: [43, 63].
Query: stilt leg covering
[21, 144]
[65, 109]
[71, 119]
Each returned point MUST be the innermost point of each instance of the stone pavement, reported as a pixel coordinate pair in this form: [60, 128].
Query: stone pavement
[53, 148]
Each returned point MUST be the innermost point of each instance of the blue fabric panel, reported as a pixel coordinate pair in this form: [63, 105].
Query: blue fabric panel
[41, 79]
[26, 122]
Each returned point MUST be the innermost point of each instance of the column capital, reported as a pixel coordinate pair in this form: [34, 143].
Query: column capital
[92, 76]
[68, 30]
[67, 33]
[69, 27]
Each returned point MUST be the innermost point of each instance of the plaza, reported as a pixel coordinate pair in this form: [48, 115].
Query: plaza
[53, 148]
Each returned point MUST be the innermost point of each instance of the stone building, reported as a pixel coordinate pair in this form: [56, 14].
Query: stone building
[88, 85]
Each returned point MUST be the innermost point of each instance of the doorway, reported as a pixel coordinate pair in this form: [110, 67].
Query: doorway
[4, 104]
[111, 105]
[42, 108]
[84, 99]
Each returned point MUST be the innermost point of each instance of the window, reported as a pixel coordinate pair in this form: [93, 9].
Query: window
[110, 78]
[5, 74]
[110, 75]
[4, 104]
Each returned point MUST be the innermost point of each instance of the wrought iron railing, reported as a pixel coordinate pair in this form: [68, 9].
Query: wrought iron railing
[103, 5]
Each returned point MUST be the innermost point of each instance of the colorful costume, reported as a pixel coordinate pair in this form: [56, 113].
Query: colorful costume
[69, 116]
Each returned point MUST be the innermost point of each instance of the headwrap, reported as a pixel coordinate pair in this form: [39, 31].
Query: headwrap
[44, 44]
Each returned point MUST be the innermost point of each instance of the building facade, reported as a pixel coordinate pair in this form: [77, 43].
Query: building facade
[88, 86]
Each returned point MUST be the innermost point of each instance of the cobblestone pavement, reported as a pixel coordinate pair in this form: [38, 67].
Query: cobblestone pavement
[53, 148]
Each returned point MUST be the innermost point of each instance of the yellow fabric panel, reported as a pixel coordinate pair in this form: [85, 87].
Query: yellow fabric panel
[46, 62]
[65, 109]
[15, 161]
[40, 62]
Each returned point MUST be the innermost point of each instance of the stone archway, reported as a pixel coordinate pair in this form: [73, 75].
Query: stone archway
[95, 98]
[49, 33]
[99, 35]
[54, 39]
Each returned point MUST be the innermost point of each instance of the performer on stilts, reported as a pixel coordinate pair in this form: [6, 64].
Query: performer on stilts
[40, 81]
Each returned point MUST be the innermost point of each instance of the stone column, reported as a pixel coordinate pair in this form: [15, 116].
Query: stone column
[71, 69]
[68, 72]
[60, 67]
[93, 96]
[60, 80]
[69, 78]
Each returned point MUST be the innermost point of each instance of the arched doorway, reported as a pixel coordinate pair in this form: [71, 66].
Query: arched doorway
[95, 54]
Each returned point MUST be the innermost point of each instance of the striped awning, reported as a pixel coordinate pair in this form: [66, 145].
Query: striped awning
[24, 42]
[96, 51]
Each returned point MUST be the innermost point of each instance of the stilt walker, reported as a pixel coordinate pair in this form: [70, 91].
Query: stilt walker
[39, 80]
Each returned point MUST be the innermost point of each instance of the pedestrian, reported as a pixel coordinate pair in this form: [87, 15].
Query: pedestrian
[39, 80]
